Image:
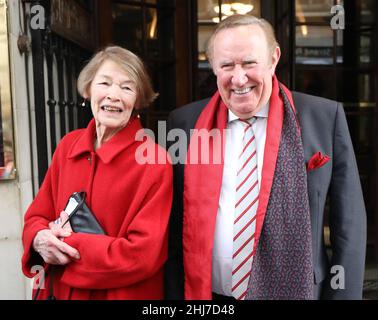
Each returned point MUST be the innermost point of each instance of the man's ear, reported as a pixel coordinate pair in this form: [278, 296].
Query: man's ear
[275, 58]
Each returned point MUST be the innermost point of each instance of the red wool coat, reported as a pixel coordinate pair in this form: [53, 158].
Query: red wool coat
[132, 203]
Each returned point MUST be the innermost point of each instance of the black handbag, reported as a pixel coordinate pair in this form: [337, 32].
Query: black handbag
[82, 219]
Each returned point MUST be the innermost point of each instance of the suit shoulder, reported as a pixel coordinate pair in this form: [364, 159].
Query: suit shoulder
[313, 110]
[190, 110]
[303, 102]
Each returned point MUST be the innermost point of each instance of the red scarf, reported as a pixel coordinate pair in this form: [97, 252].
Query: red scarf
[202, 186]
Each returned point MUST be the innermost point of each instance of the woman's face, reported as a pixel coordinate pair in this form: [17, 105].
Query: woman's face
[112, 95]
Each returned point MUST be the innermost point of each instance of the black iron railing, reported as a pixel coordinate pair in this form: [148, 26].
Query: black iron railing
[56, 65]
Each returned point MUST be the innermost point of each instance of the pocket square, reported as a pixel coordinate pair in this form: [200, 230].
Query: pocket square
[317, 160]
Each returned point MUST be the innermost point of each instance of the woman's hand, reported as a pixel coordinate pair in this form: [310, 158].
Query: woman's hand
[49, 243]
[58, 223]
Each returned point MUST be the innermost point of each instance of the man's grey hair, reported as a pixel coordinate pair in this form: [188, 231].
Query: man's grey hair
[238, 20]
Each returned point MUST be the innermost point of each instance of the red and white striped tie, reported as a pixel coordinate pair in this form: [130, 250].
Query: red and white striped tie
[247, 198]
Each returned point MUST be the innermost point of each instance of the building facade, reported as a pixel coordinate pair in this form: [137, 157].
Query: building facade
[329, 48]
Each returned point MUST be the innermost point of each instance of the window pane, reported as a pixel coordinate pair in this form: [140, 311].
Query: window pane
[361, 130]
[204, 34]
[308, 11]
[128, 27]
[152, 33]
[360, 11]
[229, 8]
[365, 48]
[355, 87]
[209, 11]
[367, 10]
[206, 11]
[314, 45]
[355, 47]
[317, 82]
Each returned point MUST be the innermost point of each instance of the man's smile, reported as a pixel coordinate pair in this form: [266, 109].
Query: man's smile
[243, 91]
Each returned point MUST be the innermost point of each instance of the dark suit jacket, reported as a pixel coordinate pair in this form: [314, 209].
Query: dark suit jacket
[323, 128]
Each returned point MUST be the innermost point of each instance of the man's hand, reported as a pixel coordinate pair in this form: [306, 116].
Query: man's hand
[49, 243]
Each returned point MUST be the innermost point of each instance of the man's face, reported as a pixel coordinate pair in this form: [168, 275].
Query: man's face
[244, 68]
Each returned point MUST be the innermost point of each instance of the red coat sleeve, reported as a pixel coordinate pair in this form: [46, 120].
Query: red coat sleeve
[108, 262]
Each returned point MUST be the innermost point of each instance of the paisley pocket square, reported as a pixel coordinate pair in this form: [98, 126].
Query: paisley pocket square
[317, 160]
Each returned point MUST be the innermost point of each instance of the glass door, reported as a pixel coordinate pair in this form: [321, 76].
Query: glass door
[147, 28]
[341, 64]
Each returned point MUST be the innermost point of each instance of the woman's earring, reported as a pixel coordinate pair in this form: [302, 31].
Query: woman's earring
[83, 104]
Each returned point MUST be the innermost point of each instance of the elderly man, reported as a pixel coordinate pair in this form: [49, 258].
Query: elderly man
[251, 226]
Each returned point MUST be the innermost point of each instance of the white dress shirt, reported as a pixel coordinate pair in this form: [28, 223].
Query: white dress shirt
[223, 236]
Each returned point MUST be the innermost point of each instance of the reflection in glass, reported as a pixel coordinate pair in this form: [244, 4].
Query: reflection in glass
[206, 12]
[152, 33]
[209, 11]
[151, 20]
[308, 11]
[314, 45]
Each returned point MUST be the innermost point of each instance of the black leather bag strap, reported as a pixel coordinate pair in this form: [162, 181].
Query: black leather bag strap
[51, 285]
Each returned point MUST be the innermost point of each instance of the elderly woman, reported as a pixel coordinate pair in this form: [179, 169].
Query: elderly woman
[131, 201]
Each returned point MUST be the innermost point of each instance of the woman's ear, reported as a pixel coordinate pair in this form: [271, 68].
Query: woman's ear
[86, 91]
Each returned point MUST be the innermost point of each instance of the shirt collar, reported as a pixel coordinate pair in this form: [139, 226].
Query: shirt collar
[262, 113]
[108, 151]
